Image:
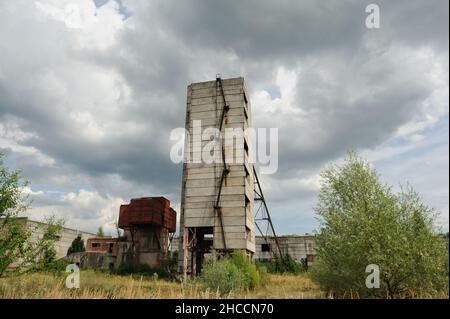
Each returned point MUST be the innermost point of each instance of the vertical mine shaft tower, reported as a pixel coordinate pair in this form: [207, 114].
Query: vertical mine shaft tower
[217, 197]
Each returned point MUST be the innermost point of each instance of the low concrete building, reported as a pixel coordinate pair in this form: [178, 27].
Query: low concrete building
[302, 248]
[63, 240]
[101, 253]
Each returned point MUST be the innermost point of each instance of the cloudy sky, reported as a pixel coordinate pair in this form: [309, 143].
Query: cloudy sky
[90, 91]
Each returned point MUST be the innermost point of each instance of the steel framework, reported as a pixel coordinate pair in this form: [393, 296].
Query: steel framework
[262, 216]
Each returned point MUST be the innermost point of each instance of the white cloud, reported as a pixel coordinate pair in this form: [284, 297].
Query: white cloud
[93, 28]
[28, 191]
[86, 209]
[88, 99]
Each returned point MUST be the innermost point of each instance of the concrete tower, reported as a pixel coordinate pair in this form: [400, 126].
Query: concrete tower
[217, 197]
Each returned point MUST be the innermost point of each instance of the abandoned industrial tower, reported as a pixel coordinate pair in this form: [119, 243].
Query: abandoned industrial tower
[217, 197]
[222, 203]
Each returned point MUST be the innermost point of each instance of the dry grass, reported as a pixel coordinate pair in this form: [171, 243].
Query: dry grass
[102, 285]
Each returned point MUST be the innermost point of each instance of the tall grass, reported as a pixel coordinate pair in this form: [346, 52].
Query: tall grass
[100, 285]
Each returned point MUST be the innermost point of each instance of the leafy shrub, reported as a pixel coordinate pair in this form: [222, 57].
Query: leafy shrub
[56, 267]
[364, 222]
[77, 246]
[142, 270]
[229, 273]
[16, 243]
[263, 274]
[168, 268]
[147, 270]
[222, 275]
[242, 262]
[286, 265]
[122, 270]
[172, 263]
[49, 263]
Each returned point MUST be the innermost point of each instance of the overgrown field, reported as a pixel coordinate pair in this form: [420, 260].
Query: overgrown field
[94, 284]
[102, 285]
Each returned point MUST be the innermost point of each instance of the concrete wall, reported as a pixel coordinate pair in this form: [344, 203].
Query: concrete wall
[297, 246]
[95, 260]
[64, 240]
[201, 181]
[145, 244]
[61, 244]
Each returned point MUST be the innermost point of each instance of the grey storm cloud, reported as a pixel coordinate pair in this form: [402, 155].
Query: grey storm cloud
[104, 114]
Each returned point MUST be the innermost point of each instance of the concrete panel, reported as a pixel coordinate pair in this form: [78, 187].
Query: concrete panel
[210, 84]
[231, 244]
[199, 212]
[198, 222]
[200, 114]
[212, 182]
[212, 100]
[207, 191]
[213, 92]
[213, 198]
[211, 122]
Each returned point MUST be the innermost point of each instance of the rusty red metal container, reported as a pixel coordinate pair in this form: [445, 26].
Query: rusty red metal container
[148, 210]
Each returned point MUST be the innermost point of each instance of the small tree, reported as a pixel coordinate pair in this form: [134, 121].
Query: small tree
[364, 222]
[234, 272]
[47, 260]
[44, 248]
[100, 232]
[285, 265]
[77, 246]
[118, 233]
[16, 244]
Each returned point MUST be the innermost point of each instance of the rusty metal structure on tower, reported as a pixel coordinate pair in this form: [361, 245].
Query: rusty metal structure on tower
[149, 224]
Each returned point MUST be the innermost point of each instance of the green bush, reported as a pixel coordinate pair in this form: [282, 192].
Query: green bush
[122, 270]
[363, 222]
[77, 246]
[147, 270]
[141, 270]
[168, 268]
[222, 275]
[49, 263]
[249, 270]
[172, 263]
[263, 274]
[229, 273]
[281, 266]
[16, 239]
